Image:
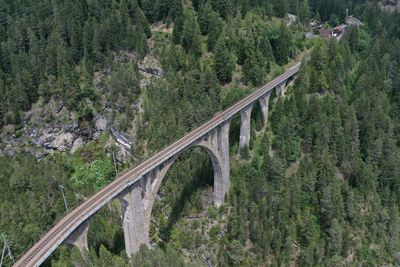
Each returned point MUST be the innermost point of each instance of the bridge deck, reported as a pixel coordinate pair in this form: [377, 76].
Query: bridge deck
[38, 253]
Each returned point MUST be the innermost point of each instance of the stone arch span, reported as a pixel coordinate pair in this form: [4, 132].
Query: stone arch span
[157, 176]
[137, 201]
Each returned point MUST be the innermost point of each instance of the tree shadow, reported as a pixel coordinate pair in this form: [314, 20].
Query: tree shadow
[203, 177]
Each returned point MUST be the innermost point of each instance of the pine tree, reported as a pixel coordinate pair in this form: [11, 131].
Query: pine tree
[210, 85]
[252, 69]
[335, 238]
[305, 11]
[96, 47]
[223, 63]
[264, 45]
[215, 31]
[191, 36]
[205, 16]
[352, 142]
[76, 43]
[88, 32]
[149, 9]
[280, 8]
[223, 7]
[178, 28]
[282, 45]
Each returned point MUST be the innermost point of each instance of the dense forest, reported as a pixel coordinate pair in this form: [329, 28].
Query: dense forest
[320, 186]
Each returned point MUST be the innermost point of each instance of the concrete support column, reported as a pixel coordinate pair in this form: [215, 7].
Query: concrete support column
[245, 115]
[281, 89]
[78, 238]
[152, 185]
[135, 231]
[264, 103]
[221, 188]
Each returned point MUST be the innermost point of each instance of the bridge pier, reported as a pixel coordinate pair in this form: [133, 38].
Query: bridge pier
[222, 185]
[245, 116]
[78, 238]
[281, 89]
[216, 144]
[264, 103]
[137, 201]
[152, 185]
[135, 231]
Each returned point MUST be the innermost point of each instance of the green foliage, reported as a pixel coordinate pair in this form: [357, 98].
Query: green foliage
[223, 65]
[41, 49]
[190, 38]
[159, 257]
[96, 175]
[319, 188]
[281, 45]
[30, 197]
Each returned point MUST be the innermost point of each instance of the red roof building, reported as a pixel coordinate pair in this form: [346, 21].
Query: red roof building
[337, 31]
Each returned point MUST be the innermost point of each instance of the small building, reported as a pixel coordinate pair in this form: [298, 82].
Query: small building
[337, 31]
[325, 33]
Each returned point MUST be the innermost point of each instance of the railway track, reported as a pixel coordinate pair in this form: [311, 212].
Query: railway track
[52, 239]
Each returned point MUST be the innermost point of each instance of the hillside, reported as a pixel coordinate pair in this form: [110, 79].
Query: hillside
[85, 85]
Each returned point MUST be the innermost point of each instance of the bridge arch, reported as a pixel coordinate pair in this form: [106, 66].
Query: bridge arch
[158, 175]
[137, 201]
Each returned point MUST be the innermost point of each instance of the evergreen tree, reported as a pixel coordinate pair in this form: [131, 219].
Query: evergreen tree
[150, 10]
[282, 45]
[223, 63]
[206, 15]
[191, 41]
[264, 45]
[252, 69]
[214, 32]
[304, 12]
[280, 8]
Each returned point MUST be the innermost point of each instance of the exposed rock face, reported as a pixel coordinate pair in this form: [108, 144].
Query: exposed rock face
[62, 142]
[50, 127]
[151, 66]
[78, 143]
[121, 154]
[101, 124]
[148, 66]
[121, 139]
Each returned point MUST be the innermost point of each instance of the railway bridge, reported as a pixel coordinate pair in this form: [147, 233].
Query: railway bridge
[137, 188]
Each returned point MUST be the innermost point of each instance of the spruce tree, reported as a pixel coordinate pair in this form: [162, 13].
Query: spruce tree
[215, 31]
[190, 39]
[223, 63]
[264, 45]
[206, 14]
[253, 69]
[282, 45]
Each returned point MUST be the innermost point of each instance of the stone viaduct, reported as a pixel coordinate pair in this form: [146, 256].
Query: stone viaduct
[136, 188]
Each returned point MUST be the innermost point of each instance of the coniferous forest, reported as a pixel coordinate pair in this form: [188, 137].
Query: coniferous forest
[319, 185]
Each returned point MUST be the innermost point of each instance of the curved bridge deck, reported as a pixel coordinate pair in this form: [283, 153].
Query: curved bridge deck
[39, 252]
